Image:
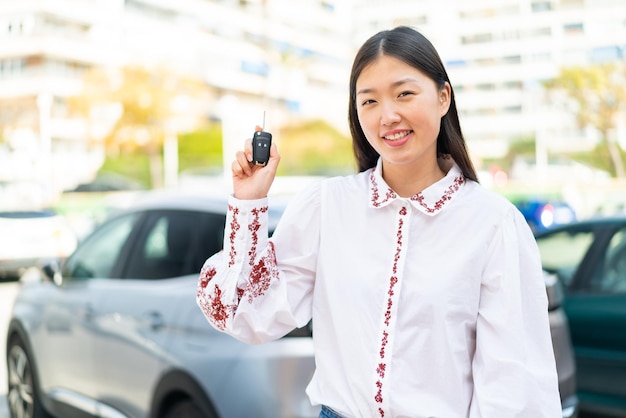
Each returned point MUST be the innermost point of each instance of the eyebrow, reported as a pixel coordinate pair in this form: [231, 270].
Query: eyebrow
[394, 84]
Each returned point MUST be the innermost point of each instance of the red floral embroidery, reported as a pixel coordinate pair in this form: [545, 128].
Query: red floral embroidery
[254, 229]
[206, 275]
[383, 344]
[376, 196]
[447, 196]
[393, 280]
[262, 275]
[381, 369]
[234, 227]
[378, 201]
[263, 272]
[213, 308]
[379, 397]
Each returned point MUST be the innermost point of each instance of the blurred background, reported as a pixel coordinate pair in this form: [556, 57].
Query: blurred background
[100, 99]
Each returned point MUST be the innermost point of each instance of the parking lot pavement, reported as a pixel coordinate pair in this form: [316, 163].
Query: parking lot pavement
[8, 290]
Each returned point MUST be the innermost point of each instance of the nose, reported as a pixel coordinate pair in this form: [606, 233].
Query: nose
[389, 114]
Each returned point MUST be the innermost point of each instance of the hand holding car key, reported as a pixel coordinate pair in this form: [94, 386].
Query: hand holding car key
[255, 166]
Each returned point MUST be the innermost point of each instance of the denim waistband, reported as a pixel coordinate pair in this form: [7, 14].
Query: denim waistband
[329, 413]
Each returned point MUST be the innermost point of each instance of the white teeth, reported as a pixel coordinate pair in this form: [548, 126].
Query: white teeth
[397, 136]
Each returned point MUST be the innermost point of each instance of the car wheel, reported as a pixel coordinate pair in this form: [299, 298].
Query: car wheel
[184, 409]
[22, 395]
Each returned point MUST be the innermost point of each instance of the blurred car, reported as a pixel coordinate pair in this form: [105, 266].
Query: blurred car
[107, 182]
[589, 259]
[116, 332]
[544, 214]
[27, 236]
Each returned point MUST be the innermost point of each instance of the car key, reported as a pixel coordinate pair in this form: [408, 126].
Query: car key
[261, 143]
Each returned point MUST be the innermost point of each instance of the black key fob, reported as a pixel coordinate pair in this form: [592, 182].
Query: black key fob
[261, 143]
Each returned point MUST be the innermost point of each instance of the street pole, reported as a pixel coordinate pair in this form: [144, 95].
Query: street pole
[45, 169]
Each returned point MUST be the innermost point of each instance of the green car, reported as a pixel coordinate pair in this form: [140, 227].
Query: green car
[589, 257]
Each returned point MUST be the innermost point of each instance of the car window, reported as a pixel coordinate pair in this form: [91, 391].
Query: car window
[564, 263]
[175, 243]
[211, 238]
[98, 255]
[156, 243]
[610, 274]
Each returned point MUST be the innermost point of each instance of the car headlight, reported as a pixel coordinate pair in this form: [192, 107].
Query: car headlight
[547, 216]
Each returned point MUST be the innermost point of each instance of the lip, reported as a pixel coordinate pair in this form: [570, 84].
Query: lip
[397, 142]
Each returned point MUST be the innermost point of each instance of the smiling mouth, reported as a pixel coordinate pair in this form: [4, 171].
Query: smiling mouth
[396, 136]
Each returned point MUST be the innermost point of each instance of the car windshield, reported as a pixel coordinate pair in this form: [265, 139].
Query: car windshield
[564, 263]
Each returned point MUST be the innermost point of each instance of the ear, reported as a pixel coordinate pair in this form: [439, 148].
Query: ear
[445, 97]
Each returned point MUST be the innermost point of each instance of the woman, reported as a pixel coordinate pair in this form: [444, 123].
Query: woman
[425, 290]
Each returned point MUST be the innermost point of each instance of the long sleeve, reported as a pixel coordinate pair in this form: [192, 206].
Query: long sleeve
[258, 289]
[513, 367]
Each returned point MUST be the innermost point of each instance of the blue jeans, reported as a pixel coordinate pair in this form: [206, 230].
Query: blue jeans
[328, 413]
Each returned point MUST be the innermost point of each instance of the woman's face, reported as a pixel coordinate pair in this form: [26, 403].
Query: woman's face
[400, 109]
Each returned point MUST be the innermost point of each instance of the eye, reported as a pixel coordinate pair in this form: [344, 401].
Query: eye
[406, 93]
[367, 102]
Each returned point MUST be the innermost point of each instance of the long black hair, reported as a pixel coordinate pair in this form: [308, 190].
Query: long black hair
[411, 47]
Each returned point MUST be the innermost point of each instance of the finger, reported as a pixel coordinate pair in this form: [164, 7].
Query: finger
[247, 149]
[243, 162]
[258, 128]
[236, 169]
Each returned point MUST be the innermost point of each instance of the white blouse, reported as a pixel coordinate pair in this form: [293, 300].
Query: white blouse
[429, 306]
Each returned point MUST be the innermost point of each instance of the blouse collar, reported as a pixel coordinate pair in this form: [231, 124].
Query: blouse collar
[431, 200]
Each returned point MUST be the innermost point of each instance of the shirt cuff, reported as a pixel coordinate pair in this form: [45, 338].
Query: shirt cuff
[246, 230]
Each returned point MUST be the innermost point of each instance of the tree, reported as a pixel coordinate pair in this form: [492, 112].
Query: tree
[202, 149]
[599, 93]
[520, 147]
[314, 148]
[134, 109]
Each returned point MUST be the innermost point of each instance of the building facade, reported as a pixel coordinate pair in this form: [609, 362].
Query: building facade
[290, 60]
[254, 56]
[498, 54]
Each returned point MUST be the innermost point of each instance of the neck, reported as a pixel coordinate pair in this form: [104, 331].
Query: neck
[408, 180]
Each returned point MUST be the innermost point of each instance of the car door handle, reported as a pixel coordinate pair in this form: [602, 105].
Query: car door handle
[155, 320]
